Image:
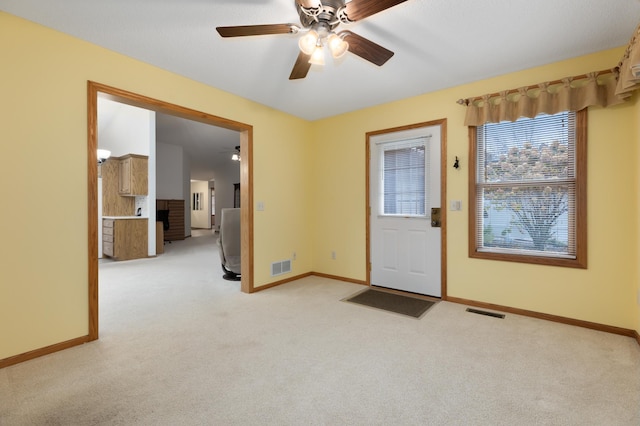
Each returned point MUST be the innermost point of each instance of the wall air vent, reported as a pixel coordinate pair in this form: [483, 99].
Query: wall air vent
[282, 267]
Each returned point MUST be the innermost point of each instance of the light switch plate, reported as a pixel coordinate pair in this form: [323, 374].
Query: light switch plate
[260, 206]
[455, 205]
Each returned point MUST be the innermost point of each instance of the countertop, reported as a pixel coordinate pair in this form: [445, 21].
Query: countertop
[125, 217]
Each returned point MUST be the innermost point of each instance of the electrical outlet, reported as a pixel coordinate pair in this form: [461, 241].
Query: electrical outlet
[333, 255]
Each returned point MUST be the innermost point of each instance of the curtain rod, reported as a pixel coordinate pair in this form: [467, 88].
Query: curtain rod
[467, 101]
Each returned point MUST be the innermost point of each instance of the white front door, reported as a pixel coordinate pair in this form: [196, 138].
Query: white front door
[405, 186]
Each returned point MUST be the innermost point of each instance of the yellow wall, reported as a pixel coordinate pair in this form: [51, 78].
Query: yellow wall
[43, 87]
[604, 293]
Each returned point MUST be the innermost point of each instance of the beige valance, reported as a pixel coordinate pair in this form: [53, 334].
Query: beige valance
[567, 94]
[627, 83]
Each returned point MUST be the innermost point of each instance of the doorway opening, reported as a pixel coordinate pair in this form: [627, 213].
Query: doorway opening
[405, 214]
[94, 90]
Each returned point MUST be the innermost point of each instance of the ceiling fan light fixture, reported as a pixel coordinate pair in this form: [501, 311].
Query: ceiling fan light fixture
[307, 42]
[337, 45]
[236, 155]
[317, 57]
[319, 20]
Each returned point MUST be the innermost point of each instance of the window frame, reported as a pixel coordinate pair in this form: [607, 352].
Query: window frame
[580, 218]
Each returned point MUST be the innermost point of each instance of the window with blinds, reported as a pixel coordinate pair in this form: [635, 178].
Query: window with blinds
[527, 177]
[403, 173]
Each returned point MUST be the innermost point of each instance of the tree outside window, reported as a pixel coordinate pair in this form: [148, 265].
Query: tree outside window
[528, 196]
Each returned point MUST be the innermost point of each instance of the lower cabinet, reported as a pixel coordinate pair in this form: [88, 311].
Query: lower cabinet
[124, 239]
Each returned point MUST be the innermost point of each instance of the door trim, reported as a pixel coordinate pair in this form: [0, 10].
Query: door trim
[246, 181]
[443, 196]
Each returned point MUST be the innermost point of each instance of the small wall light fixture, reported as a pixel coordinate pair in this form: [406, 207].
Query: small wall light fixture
[103, 154]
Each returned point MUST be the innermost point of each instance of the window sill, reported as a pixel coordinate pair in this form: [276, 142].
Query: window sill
[579, 262]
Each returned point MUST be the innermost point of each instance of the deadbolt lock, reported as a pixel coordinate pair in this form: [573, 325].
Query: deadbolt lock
[435, 217]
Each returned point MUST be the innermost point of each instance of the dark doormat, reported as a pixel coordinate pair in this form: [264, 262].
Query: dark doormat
[400, 304]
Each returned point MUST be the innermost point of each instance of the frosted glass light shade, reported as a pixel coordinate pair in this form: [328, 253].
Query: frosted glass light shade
[337, 46]
[307, 42]
[317, 57]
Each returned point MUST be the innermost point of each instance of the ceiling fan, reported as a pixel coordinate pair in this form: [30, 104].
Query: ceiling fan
[319, 18]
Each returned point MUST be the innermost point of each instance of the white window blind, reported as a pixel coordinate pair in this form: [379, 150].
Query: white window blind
[526, 186]
[403, 177]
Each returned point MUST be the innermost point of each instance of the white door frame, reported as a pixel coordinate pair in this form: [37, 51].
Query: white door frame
[443, 195]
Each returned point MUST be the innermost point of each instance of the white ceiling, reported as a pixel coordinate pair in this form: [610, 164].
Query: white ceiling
[208, 147]
[437, 44]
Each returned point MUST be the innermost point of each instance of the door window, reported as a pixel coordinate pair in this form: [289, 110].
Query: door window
[403, 178]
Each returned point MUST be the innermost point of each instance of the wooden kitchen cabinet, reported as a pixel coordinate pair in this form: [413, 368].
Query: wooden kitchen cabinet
[124, 239]
[133, 175]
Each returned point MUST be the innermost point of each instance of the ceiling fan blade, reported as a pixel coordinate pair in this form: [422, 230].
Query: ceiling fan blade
[366, 49]
[301, 67]
[360, 9]
[253, 30]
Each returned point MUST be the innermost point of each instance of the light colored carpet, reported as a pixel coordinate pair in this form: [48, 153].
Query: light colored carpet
[181, 346]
